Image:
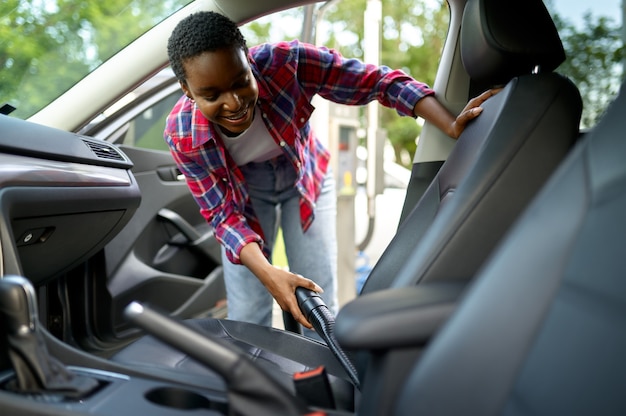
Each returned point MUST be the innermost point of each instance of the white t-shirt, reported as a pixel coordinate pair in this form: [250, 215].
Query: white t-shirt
[253, 145]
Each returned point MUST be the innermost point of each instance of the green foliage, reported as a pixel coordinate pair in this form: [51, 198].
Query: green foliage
[265, 29]
[413, 34]
[402, 132]
[595, 53]
[279, 255]
[256, 32]
[342, 20]
[47, 46]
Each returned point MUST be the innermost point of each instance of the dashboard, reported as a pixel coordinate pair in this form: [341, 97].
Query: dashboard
[63, 196]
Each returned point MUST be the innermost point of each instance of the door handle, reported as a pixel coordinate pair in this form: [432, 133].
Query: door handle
[202, 243]
[170, 174]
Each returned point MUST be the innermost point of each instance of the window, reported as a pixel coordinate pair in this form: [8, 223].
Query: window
[50, 46]
[146, 129]
[594, 44]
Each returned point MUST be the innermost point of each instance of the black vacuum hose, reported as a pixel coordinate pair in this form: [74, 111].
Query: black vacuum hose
[318, 314]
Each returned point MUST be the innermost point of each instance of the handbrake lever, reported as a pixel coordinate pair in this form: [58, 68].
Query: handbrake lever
[250, 390]
[318, 314]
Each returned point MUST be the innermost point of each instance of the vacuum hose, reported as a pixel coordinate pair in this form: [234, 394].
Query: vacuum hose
[318, 314]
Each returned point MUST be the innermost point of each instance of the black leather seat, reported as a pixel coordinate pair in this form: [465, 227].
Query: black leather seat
[542, 331]
[497, 166]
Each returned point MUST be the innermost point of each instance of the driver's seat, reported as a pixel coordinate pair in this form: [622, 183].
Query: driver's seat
[497, 166]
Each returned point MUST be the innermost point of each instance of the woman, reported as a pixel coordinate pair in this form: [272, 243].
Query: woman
[241, 136]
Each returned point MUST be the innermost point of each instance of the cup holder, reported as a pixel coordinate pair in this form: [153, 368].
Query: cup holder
[178, 398]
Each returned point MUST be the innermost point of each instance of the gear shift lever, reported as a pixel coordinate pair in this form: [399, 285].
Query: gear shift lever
[35, 370]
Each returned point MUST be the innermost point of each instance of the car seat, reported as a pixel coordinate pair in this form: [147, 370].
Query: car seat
[541, 331]
[498, 164]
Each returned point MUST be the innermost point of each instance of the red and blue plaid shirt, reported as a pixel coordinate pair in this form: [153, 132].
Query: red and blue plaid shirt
[288, 74]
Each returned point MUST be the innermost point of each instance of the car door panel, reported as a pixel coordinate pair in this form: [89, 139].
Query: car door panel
[167, 254]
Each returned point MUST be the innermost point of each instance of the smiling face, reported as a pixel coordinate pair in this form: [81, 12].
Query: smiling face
[223, 87]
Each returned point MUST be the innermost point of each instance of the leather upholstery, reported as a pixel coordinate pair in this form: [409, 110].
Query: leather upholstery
[498, 41]
[496, 48]
[542, 331]
[497, 166]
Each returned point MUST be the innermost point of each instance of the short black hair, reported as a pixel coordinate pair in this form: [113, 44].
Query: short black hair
[198, 33]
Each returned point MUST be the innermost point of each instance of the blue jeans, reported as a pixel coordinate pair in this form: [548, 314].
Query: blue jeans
[313, 254]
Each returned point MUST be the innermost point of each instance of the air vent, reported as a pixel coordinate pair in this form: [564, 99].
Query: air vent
[104, 150]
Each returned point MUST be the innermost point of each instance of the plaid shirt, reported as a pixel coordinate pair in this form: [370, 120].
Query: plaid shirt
[288, 74]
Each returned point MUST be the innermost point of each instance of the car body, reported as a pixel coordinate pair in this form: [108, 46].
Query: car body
[96, 215]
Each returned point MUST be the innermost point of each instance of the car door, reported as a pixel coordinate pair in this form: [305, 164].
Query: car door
[167, 255]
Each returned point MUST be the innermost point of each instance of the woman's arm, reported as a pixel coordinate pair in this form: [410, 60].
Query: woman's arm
[431, 110]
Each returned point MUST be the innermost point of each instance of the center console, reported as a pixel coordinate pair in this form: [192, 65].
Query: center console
[34, 382]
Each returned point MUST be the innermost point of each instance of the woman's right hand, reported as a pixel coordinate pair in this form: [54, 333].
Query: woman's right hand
[280, 283]
[282, 286]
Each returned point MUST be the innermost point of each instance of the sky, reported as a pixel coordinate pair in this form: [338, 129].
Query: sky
[576, 8]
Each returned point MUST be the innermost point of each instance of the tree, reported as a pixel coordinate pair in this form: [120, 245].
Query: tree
[265, 29]
[413, 33]
[595, 52]
[47, 46]
[413, 36]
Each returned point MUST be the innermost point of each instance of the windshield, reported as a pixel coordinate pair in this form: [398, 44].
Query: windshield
[46, 46]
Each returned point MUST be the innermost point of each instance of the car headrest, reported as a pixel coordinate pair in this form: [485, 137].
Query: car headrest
[504, 39]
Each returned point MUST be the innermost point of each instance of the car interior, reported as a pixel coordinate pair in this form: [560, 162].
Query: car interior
[500, 292]
[434, 243]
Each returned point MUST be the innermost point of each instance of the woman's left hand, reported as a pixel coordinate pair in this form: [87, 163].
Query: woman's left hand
[470, 112]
